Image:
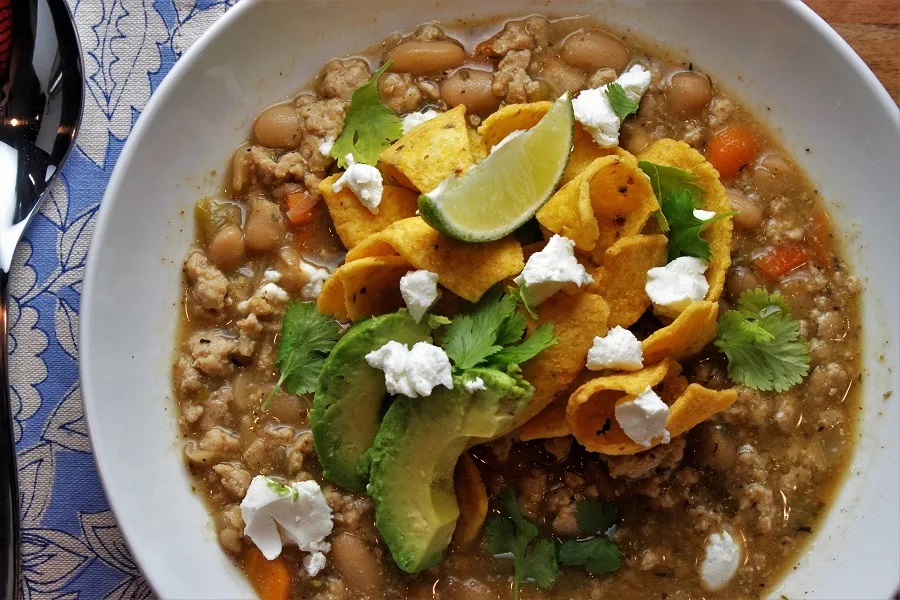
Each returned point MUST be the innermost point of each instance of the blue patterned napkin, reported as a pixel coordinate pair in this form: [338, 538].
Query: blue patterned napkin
[70, 543]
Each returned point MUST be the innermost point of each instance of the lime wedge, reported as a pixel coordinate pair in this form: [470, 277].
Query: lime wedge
[504, 190]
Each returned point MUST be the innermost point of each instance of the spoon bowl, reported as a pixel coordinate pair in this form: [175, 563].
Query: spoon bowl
[41, 102]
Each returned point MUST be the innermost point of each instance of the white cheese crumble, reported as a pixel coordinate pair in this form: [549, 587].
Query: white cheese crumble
[474, 385]
[593, 109]
[420, 292]
[703, 215]
[413, 120]
[271, 276]
[269, 292]
[412, 372]
[675, 286]
[619, 349]
[317, 277]
[507, 139]
[551, 269]
[326, 146]
[299, 509]
[363, 180]
[723, 557]
[643, 419]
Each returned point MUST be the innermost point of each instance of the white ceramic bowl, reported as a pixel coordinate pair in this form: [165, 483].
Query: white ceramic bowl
[781, 56]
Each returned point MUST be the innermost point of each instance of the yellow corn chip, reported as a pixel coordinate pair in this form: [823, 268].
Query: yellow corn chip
[678, 154]
[513, 117]
[354, 222]
[467, 270]
[608, 200]
[591, 409]
[623, 200]
[585, 151]
[569, 211]
[477, 145]
[431, 152]
[576, 320]
[623, 276]
[695, 405]
[694, 328]
[370, 286]
[549, 423]
[472, 498]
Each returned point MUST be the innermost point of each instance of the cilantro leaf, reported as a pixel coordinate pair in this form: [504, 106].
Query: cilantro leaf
[508, 532]
[671, 180]
[437, 321]
[471, 338]
[522, 298]
[621, 104]
[307, 337]
[762, 342]
[594, 516]
[369, 126]
[597, 555]
[684, 227]
[541, 339]
[540, 564]
[512, 329]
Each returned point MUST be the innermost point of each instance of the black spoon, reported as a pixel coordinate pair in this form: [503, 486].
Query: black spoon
[41, 101]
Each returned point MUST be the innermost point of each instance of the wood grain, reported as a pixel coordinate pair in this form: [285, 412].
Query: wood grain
[872, 28]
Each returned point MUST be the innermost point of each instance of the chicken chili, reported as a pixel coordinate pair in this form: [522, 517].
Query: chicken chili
[515, 310]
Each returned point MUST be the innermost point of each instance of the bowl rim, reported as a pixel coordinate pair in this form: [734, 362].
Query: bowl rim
[103, 223]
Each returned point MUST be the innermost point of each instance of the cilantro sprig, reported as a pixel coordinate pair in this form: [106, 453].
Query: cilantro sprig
[621, 104]
[762, 342]
[671, 180]
[685, 227]
[596, 554]
[490, 334]
[509, 533]
[307, 337]
[369, 126]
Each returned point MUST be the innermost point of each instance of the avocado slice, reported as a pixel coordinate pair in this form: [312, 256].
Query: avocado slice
[347, 406]
[415, 453]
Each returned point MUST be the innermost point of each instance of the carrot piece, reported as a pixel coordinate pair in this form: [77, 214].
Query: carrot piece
[821, 237]
[300, 207]
[781, 260]
[731, 149]
[270, 578]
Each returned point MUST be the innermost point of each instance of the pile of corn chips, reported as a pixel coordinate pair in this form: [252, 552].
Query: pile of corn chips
[605, 204]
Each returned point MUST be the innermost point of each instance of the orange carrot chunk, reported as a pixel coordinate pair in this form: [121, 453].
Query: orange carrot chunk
[781, 260]
[270, 578]
[300, 207]
[732, 149]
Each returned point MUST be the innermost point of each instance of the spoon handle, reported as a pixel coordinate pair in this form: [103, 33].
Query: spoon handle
[10, 532]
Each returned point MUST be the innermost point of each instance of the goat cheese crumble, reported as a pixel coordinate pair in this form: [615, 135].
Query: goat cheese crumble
[414, 119]
[474, 385]
[363, 180]
[593, 109]
[301, 512]
[269, 292]
[420, 292]
[551, 269]
[326, 146]
[412, 372]
[675, 286]
[721, 561]
[317, 276]
[644, 418]
[619, 349]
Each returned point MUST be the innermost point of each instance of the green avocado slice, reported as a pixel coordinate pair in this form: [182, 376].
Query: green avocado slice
[415, 453]
[347, 406]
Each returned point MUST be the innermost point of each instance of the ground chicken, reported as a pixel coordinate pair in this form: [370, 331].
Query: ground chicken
[212, 352]
[531, 34]
[217, 410]
[341, 77]
[511, 81]
[231, 528]
[637, 466]
[208, 284]
[233, 478]
[188, 380]
[404, 93]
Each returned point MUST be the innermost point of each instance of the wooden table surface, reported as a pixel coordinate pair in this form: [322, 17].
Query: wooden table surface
[872, 28]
